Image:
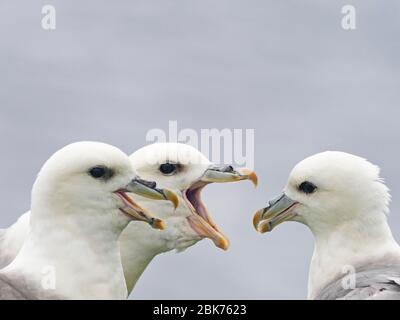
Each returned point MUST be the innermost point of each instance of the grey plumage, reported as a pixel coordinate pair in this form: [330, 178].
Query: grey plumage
[9, 291]
[16, 285]
[5, 259]
[12, 239]
[374, 281]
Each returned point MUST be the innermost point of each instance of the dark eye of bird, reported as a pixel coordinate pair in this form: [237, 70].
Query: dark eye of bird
[99, 172]
[307, 187]
[167, 168]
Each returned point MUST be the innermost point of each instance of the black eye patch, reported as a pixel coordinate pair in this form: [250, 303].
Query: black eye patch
[307, 187]
[101, 172]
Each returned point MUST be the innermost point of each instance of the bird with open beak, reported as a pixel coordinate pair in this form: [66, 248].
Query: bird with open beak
[186, 171]
[80, 205]
[183, 172]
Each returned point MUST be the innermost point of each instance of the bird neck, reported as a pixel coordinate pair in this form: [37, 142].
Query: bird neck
[139, 244]
[13, 238]
[341, 249]
[77, 258]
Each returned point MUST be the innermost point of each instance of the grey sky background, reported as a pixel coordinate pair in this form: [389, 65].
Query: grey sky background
[111, 71]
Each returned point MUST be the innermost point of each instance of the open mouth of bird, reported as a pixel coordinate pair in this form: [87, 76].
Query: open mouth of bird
[201, 221]
[135, 212]
[147, 189]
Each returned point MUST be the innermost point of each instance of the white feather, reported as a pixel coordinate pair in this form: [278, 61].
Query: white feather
[347, 214]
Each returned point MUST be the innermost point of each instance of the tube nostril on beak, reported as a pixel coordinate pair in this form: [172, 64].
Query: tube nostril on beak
[153, 185]
[228, 169]
[150, 184]
[276, 200]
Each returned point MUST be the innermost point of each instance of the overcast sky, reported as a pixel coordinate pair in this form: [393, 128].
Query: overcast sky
[111, 71]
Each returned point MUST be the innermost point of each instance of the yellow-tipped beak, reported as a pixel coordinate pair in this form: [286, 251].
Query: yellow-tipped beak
[148, 190]
[279, 210]
[257, 218]
[229, 174]
[248, 174]
[171, 196]
[145, 189]
[138, 213]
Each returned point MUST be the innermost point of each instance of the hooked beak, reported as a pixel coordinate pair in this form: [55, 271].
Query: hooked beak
[279, 210]
[200, 220]
[145, 189]
[148, 189]
[229, 174]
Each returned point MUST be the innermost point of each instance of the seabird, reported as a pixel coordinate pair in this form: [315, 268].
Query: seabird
[186, 171]
[79, 207]
[344, 202]
[178, 167]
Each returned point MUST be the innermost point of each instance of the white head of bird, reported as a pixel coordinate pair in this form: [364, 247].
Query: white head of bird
[186, 171]
[344, 202]
[87, 181]
[327, 191]
[79, 208]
